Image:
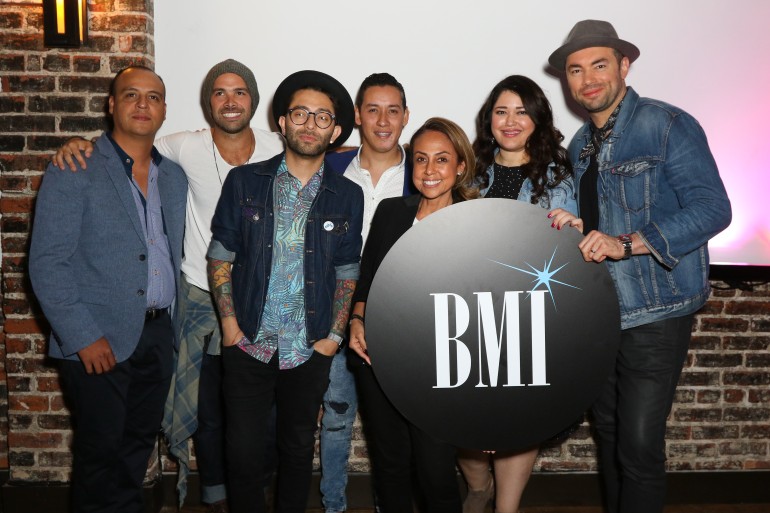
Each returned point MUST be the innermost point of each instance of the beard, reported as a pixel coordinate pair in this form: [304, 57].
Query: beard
[308, 148]
[603, 102]
[598, 105]
[230, 127]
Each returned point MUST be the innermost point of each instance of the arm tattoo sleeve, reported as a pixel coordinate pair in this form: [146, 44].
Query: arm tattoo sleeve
[221, 287]
[343, 293]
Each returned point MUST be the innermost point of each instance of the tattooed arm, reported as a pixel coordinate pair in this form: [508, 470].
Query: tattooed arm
[343, 293]
[221, 289]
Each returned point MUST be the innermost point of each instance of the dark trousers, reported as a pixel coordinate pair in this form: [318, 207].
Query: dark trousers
[630, 414]
[251, 388]
[398, 450]
[117, 418]
[209, 437]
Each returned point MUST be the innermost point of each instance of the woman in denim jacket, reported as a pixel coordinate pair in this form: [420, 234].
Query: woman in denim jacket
[517, 141]
[518, 156]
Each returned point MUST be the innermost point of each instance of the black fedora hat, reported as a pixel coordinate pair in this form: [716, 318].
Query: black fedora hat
[311, 79]
[588, 34]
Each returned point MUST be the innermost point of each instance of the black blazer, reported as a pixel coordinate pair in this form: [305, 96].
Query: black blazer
[393, 217]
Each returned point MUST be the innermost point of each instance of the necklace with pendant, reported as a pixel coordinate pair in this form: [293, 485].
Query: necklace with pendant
[252, 147]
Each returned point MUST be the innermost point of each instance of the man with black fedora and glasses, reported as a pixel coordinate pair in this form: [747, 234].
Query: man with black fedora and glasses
[283, 264]
[649, 198]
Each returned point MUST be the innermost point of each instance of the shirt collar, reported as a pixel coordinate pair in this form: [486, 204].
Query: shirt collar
[401, 163]
[283, 168]
[127, 161]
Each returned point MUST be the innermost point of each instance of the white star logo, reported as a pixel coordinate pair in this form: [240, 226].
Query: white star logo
[542, 276]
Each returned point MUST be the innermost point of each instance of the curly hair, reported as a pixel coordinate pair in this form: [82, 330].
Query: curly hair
[543, 146]
[465, 186]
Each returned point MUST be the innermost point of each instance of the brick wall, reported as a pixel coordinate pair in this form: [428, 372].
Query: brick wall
[46, 96]
[721, 418]
[721, 414]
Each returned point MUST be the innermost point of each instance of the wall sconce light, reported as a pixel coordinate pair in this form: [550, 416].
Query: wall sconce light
[65, 23]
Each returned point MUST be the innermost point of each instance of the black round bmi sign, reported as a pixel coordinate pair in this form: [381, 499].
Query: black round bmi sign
[487, 329]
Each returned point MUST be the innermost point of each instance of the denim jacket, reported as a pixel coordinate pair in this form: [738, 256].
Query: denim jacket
[243, 234]
[657, 178]
[561, 196]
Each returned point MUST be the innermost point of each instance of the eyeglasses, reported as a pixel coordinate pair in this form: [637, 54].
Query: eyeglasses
[300, 115]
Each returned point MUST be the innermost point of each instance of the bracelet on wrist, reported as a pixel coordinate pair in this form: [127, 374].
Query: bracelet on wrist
[354, 317]
[336, 338]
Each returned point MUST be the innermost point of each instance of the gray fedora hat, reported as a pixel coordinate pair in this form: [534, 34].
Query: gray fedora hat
[588, 34]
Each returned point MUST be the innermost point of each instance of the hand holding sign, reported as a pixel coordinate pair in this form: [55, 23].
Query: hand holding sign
[487, 329]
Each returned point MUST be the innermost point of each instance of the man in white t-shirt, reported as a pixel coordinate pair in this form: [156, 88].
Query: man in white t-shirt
[380, 167]
[194, 405]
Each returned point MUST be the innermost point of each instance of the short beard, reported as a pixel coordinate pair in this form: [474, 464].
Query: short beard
[304, 150]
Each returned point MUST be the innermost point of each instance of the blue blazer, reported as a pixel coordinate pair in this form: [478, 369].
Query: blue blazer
[87, 260]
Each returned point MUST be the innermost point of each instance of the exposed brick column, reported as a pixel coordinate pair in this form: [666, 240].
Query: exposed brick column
[721, 414]
[45, 97]
[721, 417]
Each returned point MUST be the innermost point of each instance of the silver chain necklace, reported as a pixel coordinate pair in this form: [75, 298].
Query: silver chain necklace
[216, 163]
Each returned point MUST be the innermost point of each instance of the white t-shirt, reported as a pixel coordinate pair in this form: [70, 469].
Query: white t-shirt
[390, 185]
[196, 153]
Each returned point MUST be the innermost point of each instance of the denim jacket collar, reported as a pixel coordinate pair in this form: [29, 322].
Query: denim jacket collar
[626, 113]
[624, 118]
[327, 182]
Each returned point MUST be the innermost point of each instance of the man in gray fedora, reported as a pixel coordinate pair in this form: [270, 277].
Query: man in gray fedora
[649, 199]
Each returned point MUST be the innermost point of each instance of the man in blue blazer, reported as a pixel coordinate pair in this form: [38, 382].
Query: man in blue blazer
[104, 264]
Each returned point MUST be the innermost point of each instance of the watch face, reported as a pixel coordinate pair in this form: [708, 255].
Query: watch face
[625, 240]
[487, 329]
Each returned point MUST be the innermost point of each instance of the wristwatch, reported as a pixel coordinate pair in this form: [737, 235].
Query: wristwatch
[335, 337]
[625, 240]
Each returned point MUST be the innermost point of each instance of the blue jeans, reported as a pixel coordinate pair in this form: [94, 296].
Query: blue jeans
[340, 405]
[209, 438]
[630, 414]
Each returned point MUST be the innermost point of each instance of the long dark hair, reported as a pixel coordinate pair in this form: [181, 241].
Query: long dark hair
[543, 146]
